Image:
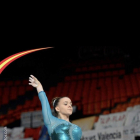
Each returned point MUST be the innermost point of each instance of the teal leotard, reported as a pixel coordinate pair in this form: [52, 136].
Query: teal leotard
[58, 129]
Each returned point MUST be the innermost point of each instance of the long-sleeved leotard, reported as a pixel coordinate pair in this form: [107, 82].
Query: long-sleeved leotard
[58, 129]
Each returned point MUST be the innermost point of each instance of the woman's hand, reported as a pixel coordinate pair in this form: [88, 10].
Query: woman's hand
[35, 83]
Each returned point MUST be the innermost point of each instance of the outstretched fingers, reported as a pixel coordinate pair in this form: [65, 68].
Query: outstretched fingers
[33, 77]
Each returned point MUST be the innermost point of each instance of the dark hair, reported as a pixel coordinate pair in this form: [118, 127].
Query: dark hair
[57, 99]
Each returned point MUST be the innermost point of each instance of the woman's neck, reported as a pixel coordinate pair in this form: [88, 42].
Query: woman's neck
[63, 117]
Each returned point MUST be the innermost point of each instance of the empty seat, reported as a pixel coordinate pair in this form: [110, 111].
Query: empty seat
[134, 85]
[85, 109]
[108, 73]
[86, 88]
[101, 74]
[97, 95]
[115, 84]
[111, 66]
[121, 72]
[13, 93]
[115, 72]
[94, 75]
[105, 104]
[28, 88]
[78, 70]
[78, 92]
[122, 88]
[72, 89]
[97, 108]
[91, 68]
[118, 65]
[28, 132]
[59, 89]
[65, 89]
[2, 83]
[90, 109]
[87, 76]
[52, 91]
[84, 69]
[25, 82]
[9, 83]
[80, 77]
[98, 67]
[17, 82]
[67, 78]
[104, 66]
[74, 77]
[135, 70]
[105, 112]
[109, 88]
[21, 90]
[128, 86]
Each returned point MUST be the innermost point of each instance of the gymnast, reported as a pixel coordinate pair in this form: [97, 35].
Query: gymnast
[59, 127]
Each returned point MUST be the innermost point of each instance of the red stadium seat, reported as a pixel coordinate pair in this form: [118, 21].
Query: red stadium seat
[28, 132]
[105, 104]
[2, 83]
[67, 78]
[94, 75]
[10, 83]
[25, 82]
[97, 107]
[91, 68]
[65, 89]
[74, 77]
[78, 70]
[84, 69]
[104, 66]
[21, 90]
[135, 70]
[128, 86]
[119, 65]
[122, 88]
[87, 76]
[115, 73]
[80, 77]
[72, 89]
[121, 72]
[134, 85]
[101, 74]
[13, 93]
[17, 82]
[105, 112]
[108, 73]
[78, 92]
[111, 66]
[59, 89]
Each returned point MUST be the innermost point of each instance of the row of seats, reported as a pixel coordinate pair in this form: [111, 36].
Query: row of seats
[87, 108]
[95, 75]
[90, 94]
[32, 132]
[14, 83]
[99, 67]
[91, 90]
[96, 108]
[11, 93]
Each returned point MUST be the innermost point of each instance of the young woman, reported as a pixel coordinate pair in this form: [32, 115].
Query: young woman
[59, 127]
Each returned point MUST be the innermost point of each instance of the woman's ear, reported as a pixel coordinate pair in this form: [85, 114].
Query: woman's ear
[57, 109]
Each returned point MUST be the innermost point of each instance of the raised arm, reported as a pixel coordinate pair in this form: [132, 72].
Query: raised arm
[46, 110]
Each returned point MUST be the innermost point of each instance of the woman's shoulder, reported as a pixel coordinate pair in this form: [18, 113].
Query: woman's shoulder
[76, 126]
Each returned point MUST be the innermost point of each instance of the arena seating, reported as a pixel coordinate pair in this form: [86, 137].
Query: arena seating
[95, 90]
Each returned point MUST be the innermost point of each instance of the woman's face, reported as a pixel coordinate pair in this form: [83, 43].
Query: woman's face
[64, 106]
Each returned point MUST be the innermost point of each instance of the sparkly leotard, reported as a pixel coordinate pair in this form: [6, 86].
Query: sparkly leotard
[58, 129]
